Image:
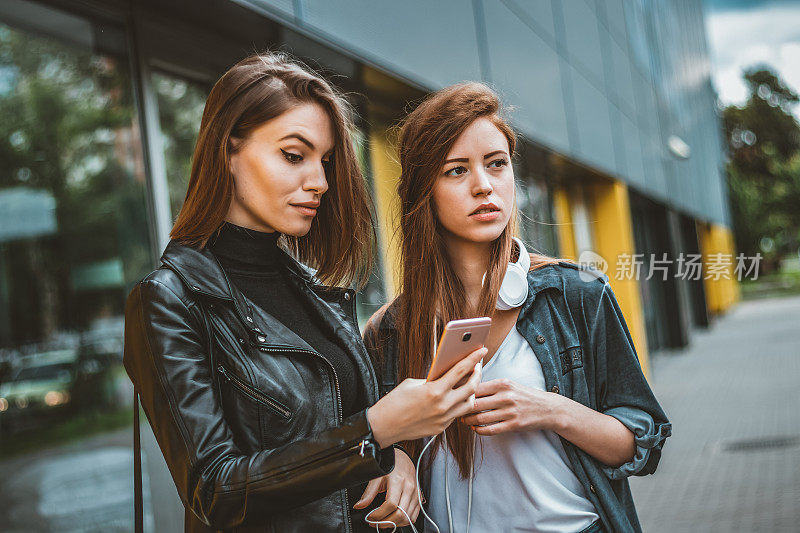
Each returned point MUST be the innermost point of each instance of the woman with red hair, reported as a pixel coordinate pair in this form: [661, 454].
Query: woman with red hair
[564, 413]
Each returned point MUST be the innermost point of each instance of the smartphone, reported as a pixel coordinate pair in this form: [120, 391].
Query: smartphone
[460, 338]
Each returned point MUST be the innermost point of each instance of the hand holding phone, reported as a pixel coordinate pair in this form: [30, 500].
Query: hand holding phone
[420, 408]
[460, 338]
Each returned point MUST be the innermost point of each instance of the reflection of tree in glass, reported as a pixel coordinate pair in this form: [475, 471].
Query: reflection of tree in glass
[68, 129]
[180, 108]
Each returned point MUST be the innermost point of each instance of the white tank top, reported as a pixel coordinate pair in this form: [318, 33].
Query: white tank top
[524, 482]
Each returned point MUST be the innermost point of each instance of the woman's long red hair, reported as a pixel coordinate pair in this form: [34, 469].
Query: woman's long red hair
[430, 286]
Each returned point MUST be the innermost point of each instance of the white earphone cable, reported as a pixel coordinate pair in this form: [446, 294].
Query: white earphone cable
[378, 523]
[447, 484]
[471, 477]
[419, 491]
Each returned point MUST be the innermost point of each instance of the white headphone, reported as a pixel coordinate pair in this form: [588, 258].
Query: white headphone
[514, 289]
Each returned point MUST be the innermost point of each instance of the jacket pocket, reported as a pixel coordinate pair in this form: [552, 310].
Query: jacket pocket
[571, 358]
[254, 394]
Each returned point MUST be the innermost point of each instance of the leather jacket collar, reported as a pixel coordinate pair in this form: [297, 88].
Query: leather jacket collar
[201, 271]
[203, 274]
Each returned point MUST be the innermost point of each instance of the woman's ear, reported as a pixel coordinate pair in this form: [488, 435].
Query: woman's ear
[234, 144]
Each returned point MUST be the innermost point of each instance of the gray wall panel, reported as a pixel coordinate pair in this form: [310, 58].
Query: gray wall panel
[634, 161]
[638, 43]
[583, 39]
[615, 16]
[530, 84]
[594, 124]
[538, 15]
[644, 99]
[433, 43]
[591, 79]
[618, 141]
[623, 82]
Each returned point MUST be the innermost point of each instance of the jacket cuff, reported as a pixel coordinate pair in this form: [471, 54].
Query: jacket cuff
[398, 447]
[649, 438]
[382, 458]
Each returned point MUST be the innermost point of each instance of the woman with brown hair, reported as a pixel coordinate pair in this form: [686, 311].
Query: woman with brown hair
[252, 373]
[564, 413]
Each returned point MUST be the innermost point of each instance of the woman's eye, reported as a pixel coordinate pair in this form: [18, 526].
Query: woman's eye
[497, 163]
[291, 157]
[456, 171]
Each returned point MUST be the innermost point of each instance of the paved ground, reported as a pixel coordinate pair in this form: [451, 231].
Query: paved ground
[81, 487]
[733, 462]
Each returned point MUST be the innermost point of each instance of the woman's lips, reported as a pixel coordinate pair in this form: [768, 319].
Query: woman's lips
[485, 216]
[307, 211]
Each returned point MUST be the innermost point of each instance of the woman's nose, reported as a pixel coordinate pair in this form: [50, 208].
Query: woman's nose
[482, 185]
[317, 181]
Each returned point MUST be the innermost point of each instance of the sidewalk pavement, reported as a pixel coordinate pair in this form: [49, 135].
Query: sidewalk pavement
[733, 397]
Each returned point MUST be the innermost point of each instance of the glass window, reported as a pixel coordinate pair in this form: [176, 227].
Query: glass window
[534, 202]
[73, 240]
[373, 295]
[536, 228]
[581, 219]
[180, 109]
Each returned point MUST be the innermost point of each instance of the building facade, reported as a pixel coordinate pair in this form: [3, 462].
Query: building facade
[620, 161]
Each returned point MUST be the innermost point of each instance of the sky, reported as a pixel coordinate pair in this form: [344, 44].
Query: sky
[743, 33]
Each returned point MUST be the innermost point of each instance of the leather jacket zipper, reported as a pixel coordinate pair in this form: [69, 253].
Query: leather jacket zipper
[253, 393]
[335, 376]
[338, 411]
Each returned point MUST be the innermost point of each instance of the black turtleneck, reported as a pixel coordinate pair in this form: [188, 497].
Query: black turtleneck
[252, 262]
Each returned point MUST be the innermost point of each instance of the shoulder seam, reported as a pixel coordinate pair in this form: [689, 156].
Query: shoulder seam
[187, 302]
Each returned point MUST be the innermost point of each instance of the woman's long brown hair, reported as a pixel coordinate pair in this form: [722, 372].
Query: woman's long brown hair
[255, 90]
[430, 286]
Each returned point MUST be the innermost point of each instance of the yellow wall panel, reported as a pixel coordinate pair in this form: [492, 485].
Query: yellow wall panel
[719, 260]
[385, 174]
[563, 216]
[613, 234]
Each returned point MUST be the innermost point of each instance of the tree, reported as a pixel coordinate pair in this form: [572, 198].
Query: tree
[764, 167]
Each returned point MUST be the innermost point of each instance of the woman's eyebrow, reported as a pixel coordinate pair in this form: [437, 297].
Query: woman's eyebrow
[304, 141]
[466, 160]
[299, 138]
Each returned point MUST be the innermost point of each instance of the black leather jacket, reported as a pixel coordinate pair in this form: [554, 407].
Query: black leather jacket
[246, 413]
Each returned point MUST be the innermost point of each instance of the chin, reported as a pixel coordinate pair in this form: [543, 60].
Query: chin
[480, 235]
[299, 229]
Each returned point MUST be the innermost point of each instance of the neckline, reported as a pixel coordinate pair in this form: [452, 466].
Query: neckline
[246, 250]
[506, 340]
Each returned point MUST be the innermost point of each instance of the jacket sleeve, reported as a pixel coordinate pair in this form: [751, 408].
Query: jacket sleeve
[381, 352]
[378, 351]
[166, 357]
[623, 391]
